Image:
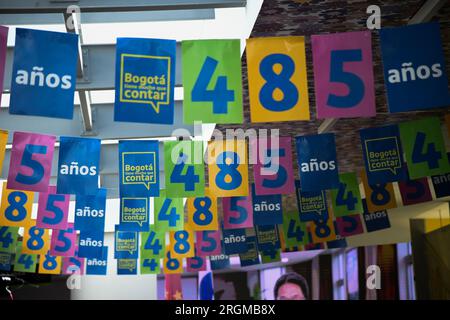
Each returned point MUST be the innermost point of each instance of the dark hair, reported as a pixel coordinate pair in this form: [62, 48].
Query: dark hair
[294, 278]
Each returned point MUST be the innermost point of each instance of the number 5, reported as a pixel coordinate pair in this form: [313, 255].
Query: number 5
[35, 166]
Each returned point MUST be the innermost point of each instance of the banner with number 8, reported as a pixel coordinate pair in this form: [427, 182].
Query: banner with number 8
[15, 208]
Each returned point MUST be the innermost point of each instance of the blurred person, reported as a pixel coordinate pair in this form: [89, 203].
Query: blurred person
[291, 286]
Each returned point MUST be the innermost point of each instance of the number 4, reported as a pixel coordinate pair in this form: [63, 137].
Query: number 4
[431, 156]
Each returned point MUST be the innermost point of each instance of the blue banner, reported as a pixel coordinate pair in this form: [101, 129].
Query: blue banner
[134, 214]
[251, 256]
[78, 166]
[318, 167]
[44, 73]
[139, 168]
[219, 262]
[375, 221]
[441, 183]
[5, 261]
[234, 241]
[127, 266]
[268, 238]
[267, 210]
[98, 266]
[90, 244]
[145, 80]
[126, 244]
[414, 67]
[311, 205]
[90, 211]
[383, 154]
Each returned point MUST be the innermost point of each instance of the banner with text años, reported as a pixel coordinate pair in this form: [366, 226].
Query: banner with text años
[44, 72]
[90, 211]
[343, 75]
[78, 165]
[139, 168]
[31, 161]
[212, 81]
[145, 80]
[3, 47]
[277, 79]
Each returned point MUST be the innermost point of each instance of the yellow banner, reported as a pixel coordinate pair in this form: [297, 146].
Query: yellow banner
[49, 264]
[182, 243]
[15, 208]
[379, 197]
[277, 79]
[3, 140]
[36, 241]
[202, 212]
[171, 263]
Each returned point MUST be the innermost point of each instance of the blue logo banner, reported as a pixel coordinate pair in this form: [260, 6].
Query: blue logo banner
[134, 214]
[139, 168]
[251, 257]
[90, 244]
[5, 261]
[318, 167]
[312, 205]
[98, 266]
[267, 209]
[44, 73]
[145, 80]
[126, 244]
[268, 238]
[78, 166]
[383, 154]
[127, 266]
[90, 211]
[414, 67]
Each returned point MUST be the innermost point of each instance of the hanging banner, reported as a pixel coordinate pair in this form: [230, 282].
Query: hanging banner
[294, 231]
[36, 240]
[343, 75]
[375, 221]
[126, 244]
[383, 154]
[350, 225]
[44, 71]
[267, 210]
[5, 261]
[49, 264]
[237, 212]
[172, 264]
[271, 256]
[145, 80]
[73, 265]
[78, 165]
[234, 241]
[228, 168]
[3, 134]
[168, 212]
[135, 214]
[202, 212]
[414, 67]
[441, 183]
[64, 242]
[311, 205]
[139, 168]
[212, 81]
[90, 211]
[415, 191]
[318, 167]
[196, 263]
[153, 242]
[3, 48]
[424, 146]
[16, 207]
[277, 79]
[268, 238]
[99, 265]
[173, 287]
[272, 169]
[380, 196]
[220, 262]
[126, 266]
[208, 243]
[182, 242]
[90, 244]
[149, 263]
[346, 199]
[251, 257]
[53, 210]
[184, 168]
[24, 262]
[8, 239]
[31, 161]
[322, 229]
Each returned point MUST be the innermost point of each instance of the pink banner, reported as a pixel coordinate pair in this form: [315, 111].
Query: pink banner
[237, 212]
[64, 242]
[349, 225]
[53, 210]
[273, 171]
[73, 265]
[343, 75]
[196, 264]
[31, 161]
[3, 45]
[208, 243]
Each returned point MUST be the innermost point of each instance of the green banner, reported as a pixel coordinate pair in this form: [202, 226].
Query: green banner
[24, 262]
[168, 213]
[8, 239]
[424, 147]
[294, 231]
[346, 199]
[271, 256]
[212, 80]
[184, 168]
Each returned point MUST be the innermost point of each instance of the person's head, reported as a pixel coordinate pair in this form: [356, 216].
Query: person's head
[291, 286]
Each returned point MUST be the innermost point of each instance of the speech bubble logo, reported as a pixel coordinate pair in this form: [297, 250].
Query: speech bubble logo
[139, 168]
[312, 204]
[135, 210]
[126, 241]
[127, 264]
[145, 80]
[383, 154]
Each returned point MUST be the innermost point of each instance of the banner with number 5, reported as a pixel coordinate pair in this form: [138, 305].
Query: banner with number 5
[343, 75]
[53, 210]
[31, 161]
[277, 79]
[212, 80]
